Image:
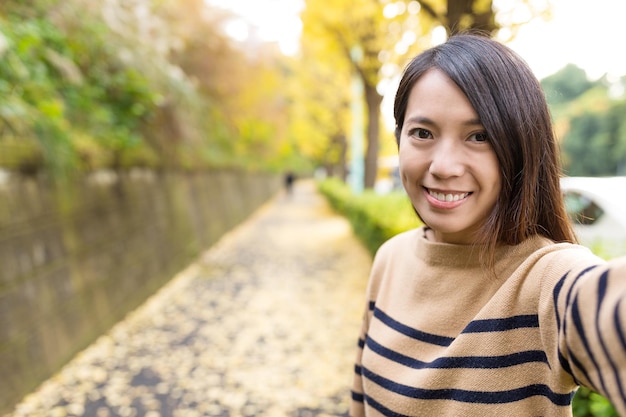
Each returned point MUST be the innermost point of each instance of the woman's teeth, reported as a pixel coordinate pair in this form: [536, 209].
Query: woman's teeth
[448, 197]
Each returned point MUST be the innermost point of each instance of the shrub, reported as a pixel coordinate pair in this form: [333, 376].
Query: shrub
[374, 218]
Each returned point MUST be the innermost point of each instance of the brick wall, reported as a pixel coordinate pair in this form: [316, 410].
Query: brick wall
[75, 258]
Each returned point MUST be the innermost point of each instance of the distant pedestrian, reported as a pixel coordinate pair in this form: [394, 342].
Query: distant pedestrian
[290, 178]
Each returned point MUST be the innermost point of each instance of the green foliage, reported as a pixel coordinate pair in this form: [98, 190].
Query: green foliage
[86, 85]
[590, 404]
[45, 95]
[566, 85]
[589, 120]
[374, 218]
[30, 106]
[595, 144]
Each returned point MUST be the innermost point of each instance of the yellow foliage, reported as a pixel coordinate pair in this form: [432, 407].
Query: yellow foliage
[387, 32]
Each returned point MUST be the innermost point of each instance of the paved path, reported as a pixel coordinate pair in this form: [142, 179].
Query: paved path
[264, 324]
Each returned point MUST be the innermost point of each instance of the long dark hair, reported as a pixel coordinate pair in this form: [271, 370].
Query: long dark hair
[512, 107]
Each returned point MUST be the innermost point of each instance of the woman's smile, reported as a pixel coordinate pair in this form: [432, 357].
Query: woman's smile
[446, 196]
[445, 199]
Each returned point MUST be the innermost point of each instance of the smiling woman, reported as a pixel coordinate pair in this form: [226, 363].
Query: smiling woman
[467, 314]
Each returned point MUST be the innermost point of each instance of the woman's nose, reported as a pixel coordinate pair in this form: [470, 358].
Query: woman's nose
[447, 160]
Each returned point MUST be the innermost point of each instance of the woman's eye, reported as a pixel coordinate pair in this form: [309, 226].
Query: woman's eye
[479, 137]
[420, 133]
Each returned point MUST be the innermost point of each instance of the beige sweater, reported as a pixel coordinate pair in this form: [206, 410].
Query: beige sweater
[441, 337]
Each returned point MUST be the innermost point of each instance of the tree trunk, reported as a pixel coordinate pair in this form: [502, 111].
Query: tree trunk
[457, 9]
[335, 157]
[462, 16]
[373, 101]
[343, 153]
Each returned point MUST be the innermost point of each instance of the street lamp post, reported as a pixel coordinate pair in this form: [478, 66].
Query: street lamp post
[357, 169]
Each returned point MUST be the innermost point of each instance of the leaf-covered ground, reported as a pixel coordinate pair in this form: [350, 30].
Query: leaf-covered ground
[264, 324]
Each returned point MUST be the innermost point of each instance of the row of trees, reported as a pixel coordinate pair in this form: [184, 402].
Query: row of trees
[588, 114]
[384, 34]
[156, 83]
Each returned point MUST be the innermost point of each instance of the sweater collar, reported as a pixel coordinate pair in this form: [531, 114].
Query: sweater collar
[468, 256]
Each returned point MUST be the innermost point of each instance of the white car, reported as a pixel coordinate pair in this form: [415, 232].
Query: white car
[597, 207]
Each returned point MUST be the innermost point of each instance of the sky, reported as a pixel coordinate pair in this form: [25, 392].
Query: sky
[588, 34]
[591, 37]
[275, 20]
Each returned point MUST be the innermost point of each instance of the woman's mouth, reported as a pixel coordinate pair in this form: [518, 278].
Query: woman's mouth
[447, 197]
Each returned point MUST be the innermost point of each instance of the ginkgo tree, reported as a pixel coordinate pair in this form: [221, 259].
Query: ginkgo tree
[384, 33]
[319, 108]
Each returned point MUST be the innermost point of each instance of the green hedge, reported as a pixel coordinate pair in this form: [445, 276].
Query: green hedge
[375, 218]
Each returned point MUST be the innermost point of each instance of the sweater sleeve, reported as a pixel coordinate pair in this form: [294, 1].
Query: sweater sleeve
[357, 405]
[589, 304]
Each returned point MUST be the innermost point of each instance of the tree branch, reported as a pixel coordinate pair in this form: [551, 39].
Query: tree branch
[433, 13]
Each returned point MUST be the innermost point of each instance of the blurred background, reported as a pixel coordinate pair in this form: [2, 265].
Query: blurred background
[196, 84]
[135, 130]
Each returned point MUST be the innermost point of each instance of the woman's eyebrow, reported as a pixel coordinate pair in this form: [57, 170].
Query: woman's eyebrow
[428, 121]
[473, 122]
[420, 120]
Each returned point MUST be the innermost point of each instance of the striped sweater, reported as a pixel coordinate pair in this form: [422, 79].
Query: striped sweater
[441, 337]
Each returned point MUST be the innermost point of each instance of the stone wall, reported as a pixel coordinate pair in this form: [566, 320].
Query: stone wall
[75, 258]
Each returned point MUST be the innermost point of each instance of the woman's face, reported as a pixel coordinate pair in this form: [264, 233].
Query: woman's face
[447, 164]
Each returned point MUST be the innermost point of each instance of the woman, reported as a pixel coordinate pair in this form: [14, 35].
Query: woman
[490, 309]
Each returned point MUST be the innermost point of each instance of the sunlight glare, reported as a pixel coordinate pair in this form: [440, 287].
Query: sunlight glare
[586, 35]
[401, 7]
[414, 7]
[409, 37]
[390, 11]
[439, 35]
[271, 21]
[237, 29]
[401, 48]
[521, 14]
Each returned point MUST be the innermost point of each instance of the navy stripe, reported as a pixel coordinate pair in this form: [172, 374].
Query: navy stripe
[555, 299]
[602, 285]
[578, 323]
[372, 305]
[466, 396]
[411, 332]
[467, 362]
[557, 292]
[618, 324]
[618, 328]
[382, 409]
[578, 364]
[502, 324]
[581, 333]
[357, 397]
[358, 370]
[562, 329]
[361, 343]
[566, 366]
[570, 292]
